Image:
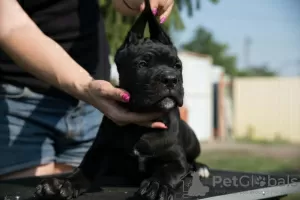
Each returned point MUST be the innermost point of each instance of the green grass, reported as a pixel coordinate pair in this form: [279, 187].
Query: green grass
[247, 140]
[243, 161]
[247, 162]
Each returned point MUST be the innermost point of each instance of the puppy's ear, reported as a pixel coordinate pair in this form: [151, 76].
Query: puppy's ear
[136, 32]
[155, 29]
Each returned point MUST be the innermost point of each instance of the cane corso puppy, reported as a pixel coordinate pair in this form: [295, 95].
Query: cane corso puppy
[156, 159]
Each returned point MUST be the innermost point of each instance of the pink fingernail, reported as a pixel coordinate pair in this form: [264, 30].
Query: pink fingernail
[162, 20]
[125, 97]
[154, 11]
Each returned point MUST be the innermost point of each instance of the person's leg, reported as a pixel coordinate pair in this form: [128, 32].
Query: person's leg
[35, 171]
[24, 144]
[27, 131]
[62, 168]
[82, 123]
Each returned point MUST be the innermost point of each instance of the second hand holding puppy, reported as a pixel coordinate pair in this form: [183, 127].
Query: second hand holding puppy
[104, 95]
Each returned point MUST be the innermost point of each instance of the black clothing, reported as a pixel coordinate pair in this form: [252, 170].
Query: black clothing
[78, 27]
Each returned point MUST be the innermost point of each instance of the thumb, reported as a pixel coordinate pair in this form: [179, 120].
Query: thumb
[106, 89]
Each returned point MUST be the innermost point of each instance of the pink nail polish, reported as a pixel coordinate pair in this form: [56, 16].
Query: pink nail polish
[125, 97]
[154, 11]
[162, 20]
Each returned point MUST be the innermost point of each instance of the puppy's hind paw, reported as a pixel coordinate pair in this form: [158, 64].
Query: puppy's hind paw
[203, 171]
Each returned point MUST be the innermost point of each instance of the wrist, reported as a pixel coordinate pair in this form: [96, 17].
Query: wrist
[84, 91]
[79, 88]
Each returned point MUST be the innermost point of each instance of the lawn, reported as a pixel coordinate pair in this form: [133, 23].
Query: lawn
[245, 161]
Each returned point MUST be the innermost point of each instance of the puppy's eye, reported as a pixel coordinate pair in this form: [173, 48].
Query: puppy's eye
[142, 64]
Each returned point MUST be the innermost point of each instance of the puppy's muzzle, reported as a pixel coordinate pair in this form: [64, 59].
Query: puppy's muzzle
[169, 79]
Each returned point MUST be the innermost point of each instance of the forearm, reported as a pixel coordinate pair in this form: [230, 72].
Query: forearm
[44, 58]
[36, 53]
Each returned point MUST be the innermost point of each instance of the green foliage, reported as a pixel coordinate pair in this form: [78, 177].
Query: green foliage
[256, 71]
[117, 25]
[204, 43]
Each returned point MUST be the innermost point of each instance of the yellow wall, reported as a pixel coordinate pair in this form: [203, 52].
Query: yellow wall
[267, 108]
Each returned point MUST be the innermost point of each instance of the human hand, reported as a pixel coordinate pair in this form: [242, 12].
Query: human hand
[160, 8]
[104, 96]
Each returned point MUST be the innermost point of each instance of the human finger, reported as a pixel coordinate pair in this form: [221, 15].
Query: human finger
[159, 125]
[154, 6]
[140, 118]
[165, 11]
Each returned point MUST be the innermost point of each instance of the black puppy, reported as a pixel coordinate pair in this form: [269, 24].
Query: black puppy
[150, 70]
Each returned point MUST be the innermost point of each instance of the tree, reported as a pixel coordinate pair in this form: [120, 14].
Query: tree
[256, 71]
[117, 25]
[203, 42]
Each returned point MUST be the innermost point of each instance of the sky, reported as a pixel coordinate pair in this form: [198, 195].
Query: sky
[272, 25]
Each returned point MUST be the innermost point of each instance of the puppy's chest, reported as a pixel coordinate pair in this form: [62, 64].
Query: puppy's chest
[145, 164]
[142, 163]
[161, 153]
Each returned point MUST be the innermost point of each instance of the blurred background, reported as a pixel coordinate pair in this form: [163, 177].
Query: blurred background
[241, 68]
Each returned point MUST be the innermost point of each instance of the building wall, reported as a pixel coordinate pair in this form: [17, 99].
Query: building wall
[267, 108]
[197, 82]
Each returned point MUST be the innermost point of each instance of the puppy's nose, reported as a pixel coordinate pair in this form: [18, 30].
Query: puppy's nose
[169, 80]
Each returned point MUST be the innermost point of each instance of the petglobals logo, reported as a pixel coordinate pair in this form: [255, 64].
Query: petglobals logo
[196, 187]
[247, 181]
[192, 188]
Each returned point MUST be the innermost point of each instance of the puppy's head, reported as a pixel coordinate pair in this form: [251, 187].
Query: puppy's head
[149, 68]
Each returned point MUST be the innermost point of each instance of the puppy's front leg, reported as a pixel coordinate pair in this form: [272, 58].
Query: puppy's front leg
[166, 177]
[79, 181]
[62, 188]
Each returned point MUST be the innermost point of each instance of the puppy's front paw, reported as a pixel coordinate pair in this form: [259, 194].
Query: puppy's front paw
[57, 189]
[152, 189]
[203, 170]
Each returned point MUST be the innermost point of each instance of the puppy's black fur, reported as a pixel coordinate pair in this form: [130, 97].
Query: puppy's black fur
[150, 70]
